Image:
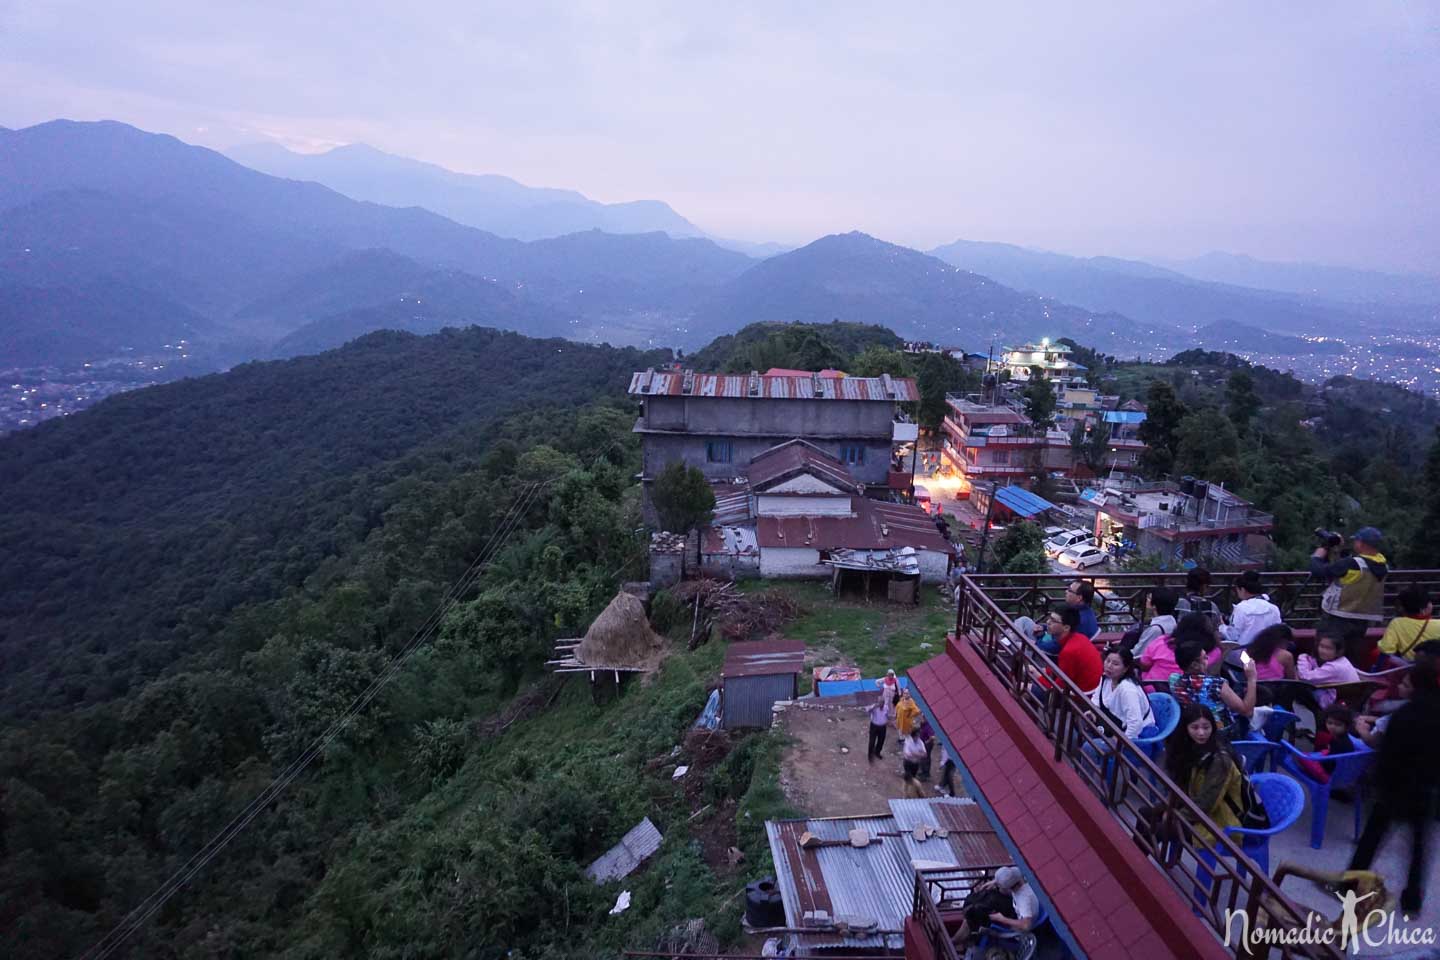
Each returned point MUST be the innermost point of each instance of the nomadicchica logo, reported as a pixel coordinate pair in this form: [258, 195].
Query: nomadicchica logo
[1354, 930]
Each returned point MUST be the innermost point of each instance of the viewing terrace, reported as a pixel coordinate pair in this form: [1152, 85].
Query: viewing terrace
[1066, 790]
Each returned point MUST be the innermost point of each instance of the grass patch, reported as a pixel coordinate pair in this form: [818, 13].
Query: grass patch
[875, 637]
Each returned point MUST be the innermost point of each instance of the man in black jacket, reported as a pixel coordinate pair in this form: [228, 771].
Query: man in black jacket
[1407, 773]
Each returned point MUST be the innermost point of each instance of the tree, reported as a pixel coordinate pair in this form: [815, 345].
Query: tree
[1021, 549]
[1424, 552]
[937, 375]
[1040, 402]
[875, 360]
[1241, 400]
[1091, 445]
[1163, 414]
[683, 498]
[1208, 446]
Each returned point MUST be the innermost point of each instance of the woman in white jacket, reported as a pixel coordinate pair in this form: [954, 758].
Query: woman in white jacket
[1253, 613]
[1120, 695]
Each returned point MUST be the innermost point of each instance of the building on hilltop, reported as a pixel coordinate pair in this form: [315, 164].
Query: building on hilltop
[1053, 359]
[719, 422]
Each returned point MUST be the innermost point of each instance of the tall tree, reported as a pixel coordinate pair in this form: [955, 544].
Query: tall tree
[937, 375]
[1040, 402]
[1163, 414]
[1208, 446]
[875, 360]
[1424, 552]
[1241, 400]
[1091, 445]
[683, 498]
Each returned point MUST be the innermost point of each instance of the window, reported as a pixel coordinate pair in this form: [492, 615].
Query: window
[852, 454]
[1000, 456]
[718, 451]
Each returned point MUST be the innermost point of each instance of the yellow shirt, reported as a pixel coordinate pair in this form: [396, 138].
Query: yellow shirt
[907, 715]
[1406, 633]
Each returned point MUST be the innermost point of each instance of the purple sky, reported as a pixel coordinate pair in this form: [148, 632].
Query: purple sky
[1301, 130]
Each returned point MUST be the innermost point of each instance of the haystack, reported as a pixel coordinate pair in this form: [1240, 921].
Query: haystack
[620, 636]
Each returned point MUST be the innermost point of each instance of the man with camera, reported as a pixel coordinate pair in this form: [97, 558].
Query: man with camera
[1354, 600]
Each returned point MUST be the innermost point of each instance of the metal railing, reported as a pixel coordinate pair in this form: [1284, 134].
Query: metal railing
[1120, 597]
[1222, 885]
[945, 888]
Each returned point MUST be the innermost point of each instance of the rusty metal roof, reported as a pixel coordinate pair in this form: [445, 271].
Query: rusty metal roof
[674, 383]
[763, 658]
[876, 525]
[790, 459]
[873, 887]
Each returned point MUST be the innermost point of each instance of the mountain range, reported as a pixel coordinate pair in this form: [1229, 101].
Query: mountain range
[255, 265]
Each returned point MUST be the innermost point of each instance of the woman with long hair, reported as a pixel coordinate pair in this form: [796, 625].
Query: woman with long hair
[1119, 694]
[1200, 762]
[1271, 652]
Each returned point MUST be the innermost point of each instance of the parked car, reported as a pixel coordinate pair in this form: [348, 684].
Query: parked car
[1061, 542]
[1085, 555]
[1053, 532]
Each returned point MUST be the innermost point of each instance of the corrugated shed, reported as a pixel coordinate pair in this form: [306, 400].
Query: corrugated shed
[880, 389]
[749, 701]
[876, 525]
[638, 845]
[874, 884]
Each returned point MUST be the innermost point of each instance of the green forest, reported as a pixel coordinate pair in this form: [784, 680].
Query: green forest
[201, 577]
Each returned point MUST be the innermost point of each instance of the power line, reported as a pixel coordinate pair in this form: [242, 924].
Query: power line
[137, 917]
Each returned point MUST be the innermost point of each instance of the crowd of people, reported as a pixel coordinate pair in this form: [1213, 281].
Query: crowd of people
[1222, 670]
[894, 706]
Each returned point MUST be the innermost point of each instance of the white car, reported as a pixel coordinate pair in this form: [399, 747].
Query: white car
[1085, 555]
[1051, 533]
[1066, 540]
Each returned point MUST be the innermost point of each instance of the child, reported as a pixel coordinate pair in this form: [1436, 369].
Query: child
[1326, 666]
[1333, 737]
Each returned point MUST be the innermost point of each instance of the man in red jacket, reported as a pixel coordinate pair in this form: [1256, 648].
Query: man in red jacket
[1078, 659]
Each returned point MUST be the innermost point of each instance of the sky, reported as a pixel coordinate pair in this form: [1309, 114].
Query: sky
[1285, 130]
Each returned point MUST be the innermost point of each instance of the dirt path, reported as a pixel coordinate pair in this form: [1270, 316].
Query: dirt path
[824, 771]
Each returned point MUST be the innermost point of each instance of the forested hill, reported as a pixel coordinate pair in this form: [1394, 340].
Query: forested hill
[130, 530]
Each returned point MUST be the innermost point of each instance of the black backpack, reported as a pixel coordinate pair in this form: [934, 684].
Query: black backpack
[1249, 809]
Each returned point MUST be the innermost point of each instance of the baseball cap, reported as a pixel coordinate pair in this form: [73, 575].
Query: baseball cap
[1369, 535]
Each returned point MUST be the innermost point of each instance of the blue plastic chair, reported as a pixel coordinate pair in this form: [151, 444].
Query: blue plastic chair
[1281, 722]
[1348, 773]
[1284, 801]
[1258, 749]
[1167, 716]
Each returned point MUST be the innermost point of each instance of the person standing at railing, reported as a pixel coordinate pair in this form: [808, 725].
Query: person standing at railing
[1253, 613]
[1354, 599]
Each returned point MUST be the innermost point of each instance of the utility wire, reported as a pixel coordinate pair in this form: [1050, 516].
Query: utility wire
[137, 917]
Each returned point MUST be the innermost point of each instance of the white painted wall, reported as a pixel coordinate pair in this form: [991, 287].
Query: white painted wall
[805, 483]
[798, 506]
[792, 562]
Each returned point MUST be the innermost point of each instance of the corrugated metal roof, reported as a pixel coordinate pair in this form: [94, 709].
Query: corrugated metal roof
[758, 658]
[638, 845]
[1022, 501]
[793, 458]
[670, 383]
[874, 884]
[876, 525]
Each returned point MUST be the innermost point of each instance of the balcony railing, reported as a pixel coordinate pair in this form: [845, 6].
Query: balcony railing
[1223, 886]
[940, 889]
[1120, 601]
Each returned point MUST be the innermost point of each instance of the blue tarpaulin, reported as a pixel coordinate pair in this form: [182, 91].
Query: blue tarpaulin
[838, 688]
[1022, 501]
[1124, 416]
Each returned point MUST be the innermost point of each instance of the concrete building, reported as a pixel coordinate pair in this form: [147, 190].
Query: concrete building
[996, 441]
[1190, 521]
[720, 422]
[1053, 359]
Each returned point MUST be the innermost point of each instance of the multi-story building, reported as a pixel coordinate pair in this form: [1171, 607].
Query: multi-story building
[719, 422]
[1190, 521]
[997, 441]
[1053, 359]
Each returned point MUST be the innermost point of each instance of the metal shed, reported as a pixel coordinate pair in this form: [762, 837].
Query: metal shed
[756, 674]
